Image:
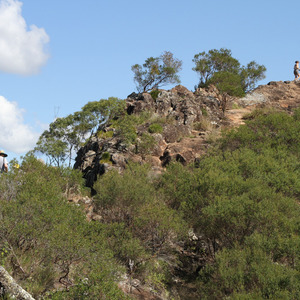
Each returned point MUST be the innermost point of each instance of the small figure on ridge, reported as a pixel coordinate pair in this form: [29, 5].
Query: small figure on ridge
[296, 70]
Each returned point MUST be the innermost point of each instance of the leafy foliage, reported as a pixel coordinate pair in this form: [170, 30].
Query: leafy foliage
[228, 83]
[144, 224]
[105, 135]
[220, 68]
[155, 128]
[66, 135]
[99, 112]
[46, 240]
[207, 64]
[145, 144]
[242, 200]
[157, 71]
[154, 94]
[126, 127]
[241, 203]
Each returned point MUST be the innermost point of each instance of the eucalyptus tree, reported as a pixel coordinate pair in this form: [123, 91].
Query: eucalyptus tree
[66, 135]
[215, 65]
[156, 72]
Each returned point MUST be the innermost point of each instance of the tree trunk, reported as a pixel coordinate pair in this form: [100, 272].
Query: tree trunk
[11, 287]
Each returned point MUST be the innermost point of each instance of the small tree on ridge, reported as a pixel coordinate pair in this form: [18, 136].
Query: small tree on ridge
[157, 71]
[216, 64]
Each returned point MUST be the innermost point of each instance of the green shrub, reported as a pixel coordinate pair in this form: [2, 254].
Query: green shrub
[143, 116]
[155, 222]
[105, 135]
[204, 112]
[45, 236]
[204, 125]
[105, 158]
[123, 243]
[265, 129]
[235, 106]
[250, 271]
[154, 94]
[126, 128]
[146, 144]
[124, 192]
[131, 199]
[157, 274]
[155, 128]
[242, 199]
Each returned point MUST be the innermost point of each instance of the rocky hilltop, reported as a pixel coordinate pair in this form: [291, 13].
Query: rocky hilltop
[184, 121]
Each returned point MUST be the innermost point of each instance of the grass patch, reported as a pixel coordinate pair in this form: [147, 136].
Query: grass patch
[204, 112]
[155, 128]
[154, 94]
[235, 106]
[105, 158]
[203, 125]
[105, 135]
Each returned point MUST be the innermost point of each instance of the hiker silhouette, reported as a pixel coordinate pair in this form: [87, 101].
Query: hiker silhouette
[296, 70]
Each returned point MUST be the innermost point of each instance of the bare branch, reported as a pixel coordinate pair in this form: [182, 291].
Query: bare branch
[12, 288]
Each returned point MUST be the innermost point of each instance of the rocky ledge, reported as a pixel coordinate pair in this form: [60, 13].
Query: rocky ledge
[190, 120]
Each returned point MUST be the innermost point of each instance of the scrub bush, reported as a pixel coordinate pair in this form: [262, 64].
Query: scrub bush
[155, 128]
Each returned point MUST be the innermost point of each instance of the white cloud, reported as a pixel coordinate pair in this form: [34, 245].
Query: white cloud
[22, 51]
[15, 136]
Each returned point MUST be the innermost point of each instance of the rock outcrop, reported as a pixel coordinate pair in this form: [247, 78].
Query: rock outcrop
[183, 118]
[187, 120]
[280, 95]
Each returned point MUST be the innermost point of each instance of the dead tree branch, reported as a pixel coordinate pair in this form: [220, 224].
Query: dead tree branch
[11, 287]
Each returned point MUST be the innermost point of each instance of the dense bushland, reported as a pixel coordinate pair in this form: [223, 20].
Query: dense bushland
[241, 200]
[44, 240]
[235, 214]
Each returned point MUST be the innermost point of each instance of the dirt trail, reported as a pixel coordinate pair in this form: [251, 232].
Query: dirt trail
[235, 116]
[282, 95]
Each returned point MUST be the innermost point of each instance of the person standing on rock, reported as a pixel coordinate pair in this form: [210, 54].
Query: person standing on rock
[3, 163]
[296, 70]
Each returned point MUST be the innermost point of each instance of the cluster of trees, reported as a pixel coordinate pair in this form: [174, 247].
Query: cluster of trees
[216, 67]
[67, 135]
[241, 201]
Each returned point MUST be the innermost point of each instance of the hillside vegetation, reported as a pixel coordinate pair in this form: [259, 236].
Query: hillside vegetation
[225, 227]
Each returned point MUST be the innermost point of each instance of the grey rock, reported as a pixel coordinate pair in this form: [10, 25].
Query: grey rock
[178, 107]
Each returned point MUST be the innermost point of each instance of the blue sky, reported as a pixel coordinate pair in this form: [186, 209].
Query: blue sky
[55, 55]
